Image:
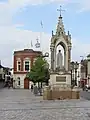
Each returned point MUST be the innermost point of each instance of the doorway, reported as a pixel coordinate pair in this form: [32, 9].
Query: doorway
[26, 83]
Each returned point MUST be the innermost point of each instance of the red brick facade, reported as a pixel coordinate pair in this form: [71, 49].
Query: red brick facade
[26, 53]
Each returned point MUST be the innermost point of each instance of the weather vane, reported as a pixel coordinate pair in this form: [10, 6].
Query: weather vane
[60, 10]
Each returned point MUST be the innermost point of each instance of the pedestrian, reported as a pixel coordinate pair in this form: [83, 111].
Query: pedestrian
[40, 90]
[8, 84]
[31, 88]
[13, 84]
[35, 90]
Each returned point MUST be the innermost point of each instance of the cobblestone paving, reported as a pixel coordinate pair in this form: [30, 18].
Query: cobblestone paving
[23, 105]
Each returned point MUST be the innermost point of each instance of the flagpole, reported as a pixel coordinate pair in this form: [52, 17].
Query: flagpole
[41, 37]
[31, 44]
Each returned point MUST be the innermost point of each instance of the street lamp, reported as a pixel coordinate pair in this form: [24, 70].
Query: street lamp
[47, 76]
[76, 65]
[46, 68]
[72, 68]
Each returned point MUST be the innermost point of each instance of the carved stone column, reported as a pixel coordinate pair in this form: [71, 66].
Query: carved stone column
[52, 59]
[69, 58]
[65, 59]
[55, 59]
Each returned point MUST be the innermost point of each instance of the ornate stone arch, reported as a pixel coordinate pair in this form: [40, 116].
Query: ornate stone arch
[65, 41]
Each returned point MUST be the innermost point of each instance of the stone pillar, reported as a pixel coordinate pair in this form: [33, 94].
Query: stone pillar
[69, 58]
[65, 60]
[52, 59]
[55, 59]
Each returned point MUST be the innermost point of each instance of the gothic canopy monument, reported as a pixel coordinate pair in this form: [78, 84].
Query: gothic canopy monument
[60, 63]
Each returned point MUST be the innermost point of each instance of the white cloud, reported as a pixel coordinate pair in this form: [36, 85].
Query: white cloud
[16, 39]
[18, 3]
[12, 38]
[83, 4]
[79, 49]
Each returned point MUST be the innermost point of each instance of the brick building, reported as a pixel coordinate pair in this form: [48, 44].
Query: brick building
[23, 61]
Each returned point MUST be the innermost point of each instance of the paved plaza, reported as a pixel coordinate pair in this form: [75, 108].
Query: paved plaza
[23, 105]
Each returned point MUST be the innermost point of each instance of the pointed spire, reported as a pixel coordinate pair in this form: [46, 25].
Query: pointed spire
[52, 32]
[60, 27]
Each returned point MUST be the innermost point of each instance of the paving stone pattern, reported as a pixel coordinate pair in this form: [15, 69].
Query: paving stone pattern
[23, 105]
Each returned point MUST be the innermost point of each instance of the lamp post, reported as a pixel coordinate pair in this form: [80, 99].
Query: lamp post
[47, 76]
[72, 68]
[76, 65]
[46, 68]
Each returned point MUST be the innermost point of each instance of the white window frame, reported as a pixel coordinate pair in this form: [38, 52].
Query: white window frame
[18, 65]
[27, 60]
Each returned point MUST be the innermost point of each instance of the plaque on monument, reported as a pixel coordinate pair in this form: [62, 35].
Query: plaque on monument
[60, 79]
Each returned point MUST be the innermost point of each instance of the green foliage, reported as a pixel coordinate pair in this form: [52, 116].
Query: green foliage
[37, 73]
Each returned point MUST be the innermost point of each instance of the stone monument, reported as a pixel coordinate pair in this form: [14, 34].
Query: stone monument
[60, 74]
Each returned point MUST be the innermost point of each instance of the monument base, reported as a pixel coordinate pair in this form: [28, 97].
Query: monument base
[60, 94]
[60, 79]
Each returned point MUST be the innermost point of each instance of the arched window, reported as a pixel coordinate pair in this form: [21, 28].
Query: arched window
[18, 80]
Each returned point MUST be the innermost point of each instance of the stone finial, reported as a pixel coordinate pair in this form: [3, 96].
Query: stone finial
[52, 32]
[68, 33]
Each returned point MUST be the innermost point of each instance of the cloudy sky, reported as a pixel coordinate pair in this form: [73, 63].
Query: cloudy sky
[20, 23]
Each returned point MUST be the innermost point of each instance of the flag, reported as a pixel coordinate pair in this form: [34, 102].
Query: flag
[31, 44]
[41, 24]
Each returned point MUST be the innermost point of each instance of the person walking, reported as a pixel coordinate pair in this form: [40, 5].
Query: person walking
[31, 88]
[40, 90]
[35, 90]
[8, 84]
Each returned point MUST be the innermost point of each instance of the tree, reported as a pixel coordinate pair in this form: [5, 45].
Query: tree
[38, 71]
